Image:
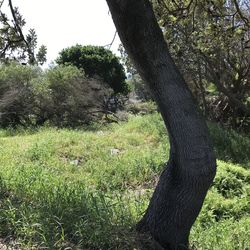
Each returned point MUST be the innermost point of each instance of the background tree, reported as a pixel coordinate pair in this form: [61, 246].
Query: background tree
[96, 60]
[210, 42]
[14, 44]
[59, 96]
[184, 182]
[138, 87]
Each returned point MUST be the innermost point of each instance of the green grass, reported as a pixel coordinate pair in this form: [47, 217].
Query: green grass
[62, 189]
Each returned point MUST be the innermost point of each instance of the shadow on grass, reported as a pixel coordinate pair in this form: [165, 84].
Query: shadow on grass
[230, 146]
[73, 218]
[22, 131]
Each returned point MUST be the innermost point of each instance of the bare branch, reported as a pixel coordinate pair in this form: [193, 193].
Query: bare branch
[245, 19]
[1, 4]
[19, 30]
[110, 44]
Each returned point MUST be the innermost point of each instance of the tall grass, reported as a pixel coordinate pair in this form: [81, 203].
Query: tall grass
[64, 189]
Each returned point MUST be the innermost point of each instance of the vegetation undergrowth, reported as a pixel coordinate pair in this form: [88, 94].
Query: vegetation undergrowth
[78, 189]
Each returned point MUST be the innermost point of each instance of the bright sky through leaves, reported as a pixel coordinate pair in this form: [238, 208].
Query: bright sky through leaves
[63, 23]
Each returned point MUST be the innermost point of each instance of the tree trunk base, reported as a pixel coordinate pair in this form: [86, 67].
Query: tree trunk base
[173, 208]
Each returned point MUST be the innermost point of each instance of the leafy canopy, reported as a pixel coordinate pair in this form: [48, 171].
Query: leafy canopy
[209, 41]
[96, 60]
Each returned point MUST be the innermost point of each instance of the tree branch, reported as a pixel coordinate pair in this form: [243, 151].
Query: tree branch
[1, 3]
[110, 44]
[245, 19]
[19, 30]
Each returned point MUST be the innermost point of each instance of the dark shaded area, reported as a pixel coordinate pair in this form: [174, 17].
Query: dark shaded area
[229, 145]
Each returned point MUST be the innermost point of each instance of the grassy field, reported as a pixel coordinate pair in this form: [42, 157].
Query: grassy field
[86, 189]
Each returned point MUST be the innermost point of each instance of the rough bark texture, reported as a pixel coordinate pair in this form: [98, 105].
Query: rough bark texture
[183, 184]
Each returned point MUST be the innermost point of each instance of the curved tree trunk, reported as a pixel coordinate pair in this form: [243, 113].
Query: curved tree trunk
[183, 184]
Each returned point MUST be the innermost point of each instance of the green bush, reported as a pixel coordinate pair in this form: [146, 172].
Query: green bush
[230, 145]
[96, 60]
[74, 99]
[59, 96]
[17, 100]
[141, 108]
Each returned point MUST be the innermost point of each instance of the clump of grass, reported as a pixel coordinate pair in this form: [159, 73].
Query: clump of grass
[230, 145]
[226, 234]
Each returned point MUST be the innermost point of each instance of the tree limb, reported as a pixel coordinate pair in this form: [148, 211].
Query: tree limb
[19, 30]
[245, 19]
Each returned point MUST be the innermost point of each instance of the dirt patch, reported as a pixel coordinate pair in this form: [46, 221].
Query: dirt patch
[9, 244]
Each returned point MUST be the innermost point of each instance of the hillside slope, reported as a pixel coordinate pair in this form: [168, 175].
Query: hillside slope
[84, 189]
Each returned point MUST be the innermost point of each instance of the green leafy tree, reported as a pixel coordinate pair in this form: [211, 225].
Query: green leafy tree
[14, 44]
[96, 60]
[210, 43]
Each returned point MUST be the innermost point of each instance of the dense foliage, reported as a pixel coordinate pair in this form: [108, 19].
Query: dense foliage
[62, 188]
[96, 61]
[60, 96]
[16, 94]
[210, 42]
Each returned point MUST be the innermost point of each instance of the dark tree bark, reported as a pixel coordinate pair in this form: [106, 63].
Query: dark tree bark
[191, 168]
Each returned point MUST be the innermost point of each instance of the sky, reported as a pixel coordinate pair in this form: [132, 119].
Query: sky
[62, 23]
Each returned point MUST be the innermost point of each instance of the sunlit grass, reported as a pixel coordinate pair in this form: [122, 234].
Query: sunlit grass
[65, 188]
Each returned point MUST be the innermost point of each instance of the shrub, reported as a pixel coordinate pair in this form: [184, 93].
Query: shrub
[96, 60]
[74, 99]
[141, 108]
[17, 101]
[230, 145]
[60, 96]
